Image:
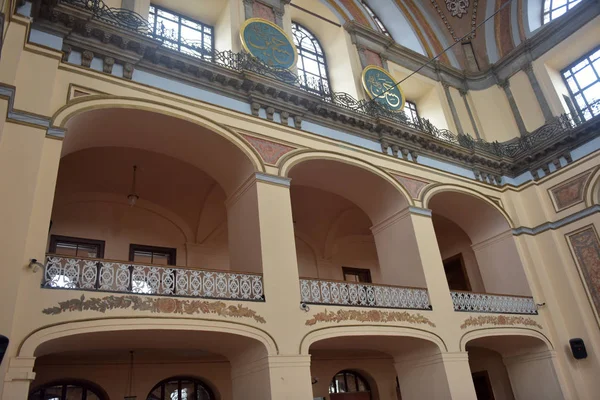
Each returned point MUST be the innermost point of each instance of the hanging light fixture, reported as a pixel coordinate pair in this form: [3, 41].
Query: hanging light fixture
[132, 198]
[129, 396]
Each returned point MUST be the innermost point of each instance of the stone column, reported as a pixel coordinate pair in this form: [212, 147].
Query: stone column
[539, 94]
[505, 84]
[463, 94]
[248, 11]
[18, 378]
[533, 376]
[442, 376]
[455, 117]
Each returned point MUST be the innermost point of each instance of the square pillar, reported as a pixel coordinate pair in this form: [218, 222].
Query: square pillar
[442, 376]
[272, 377]
[409, 255]
[533, 376]
[18, 378]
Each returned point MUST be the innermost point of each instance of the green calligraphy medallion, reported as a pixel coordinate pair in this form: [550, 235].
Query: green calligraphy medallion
[269, 43]
[381, 87]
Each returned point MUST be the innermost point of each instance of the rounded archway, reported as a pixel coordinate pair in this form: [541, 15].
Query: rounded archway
[474, 236]
[339, 205]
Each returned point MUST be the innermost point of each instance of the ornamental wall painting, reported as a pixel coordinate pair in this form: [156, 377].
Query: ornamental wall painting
[585, 246]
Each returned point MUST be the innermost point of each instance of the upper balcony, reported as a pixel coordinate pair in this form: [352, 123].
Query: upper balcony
[125, 38]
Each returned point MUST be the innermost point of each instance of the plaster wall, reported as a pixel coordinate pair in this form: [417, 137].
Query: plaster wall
[495, 115]
[481, 359]
[527, 103]
[462, 112]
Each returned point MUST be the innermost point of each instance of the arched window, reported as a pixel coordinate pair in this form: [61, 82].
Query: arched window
[348, 382]
[555, 8]
[376, 19]
[312, 65]
[181, 388]
[68, 390]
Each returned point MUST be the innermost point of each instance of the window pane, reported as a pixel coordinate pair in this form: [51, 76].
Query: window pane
[340, 383]
[585, 77]
[172, 390]
[557, 13]
[160, 258]
[592, 93]
[572, 85]
[558, 3]
[168, 28]
[74, 393]
[65, 248]
[53, 393]
[86, 250]
[142, 257]
[167, 15]
[351, 380]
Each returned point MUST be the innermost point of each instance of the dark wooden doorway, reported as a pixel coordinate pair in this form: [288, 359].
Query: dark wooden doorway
[456, 274]
[483, 386]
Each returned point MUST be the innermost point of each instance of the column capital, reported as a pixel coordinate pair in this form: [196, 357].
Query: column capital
[399, 216]
[504, 83]
[20, 369]
[528, 67]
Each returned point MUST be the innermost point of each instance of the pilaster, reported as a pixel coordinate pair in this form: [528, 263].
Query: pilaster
[505, 85]
[455, 117]
[539, 94]
[18, 378]
[464, 94]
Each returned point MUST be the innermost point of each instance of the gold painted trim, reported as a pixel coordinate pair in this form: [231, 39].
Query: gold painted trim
[364, 83]
[41, 328]
[588, 294]
[290, 41]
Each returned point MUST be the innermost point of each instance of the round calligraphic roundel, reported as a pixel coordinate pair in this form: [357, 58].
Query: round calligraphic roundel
[381, 87]
[269, 43]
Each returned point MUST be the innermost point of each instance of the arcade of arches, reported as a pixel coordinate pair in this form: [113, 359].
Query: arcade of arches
[169, 234]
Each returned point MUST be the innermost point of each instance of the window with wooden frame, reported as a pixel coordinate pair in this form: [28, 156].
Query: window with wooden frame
[76, 247]
[456, 274]
[358, 275]
[144, 254]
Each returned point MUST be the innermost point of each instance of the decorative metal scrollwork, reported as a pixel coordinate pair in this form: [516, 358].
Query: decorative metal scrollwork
[493, 303]
[315, 291]
[97, 275]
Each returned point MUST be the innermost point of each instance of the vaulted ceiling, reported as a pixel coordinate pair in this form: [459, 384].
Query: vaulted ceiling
[430, 26]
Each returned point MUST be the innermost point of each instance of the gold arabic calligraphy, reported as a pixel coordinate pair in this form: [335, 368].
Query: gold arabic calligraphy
[269, 45]
[381, 87]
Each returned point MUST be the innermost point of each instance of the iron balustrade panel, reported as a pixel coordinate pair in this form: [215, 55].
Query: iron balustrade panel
[113, 276]
[240, 62]
[315, 291]
[493, 303]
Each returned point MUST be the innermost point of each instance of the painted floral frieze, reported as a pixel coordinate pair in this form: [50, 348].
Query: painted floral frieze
[499, 320]
[368, 316]
[154, 305]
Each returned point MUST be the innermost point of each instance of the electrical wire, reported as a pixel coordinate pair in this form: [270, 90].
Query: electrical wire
[445, 50]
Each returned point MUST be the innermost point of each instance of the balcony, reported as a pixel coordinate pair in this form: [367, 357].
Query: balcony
[101, 275]
[341, 293]
[493, 303]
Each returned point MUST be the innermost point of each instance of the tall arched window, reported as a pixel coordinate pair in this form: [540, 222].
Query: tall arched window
[312, 65]
[181, 388]
[555, 8]
[68, 390]
[376, 19]
[348, 382]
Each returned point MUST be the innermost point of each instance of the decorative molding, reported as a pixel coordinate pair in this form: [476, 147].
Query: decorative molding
[269, 151]
[368, 316]
[458, 8]
[161, 305]
[570, 192]
[413, 186]
[557, 224]
[499, 320]
[274, 179]
[585, 248]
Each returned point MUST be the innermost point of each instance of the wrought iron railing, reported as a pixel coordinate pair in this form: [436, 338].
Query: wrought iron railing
[341, 293]
[493, 303]
[78, 273]
[132, 21]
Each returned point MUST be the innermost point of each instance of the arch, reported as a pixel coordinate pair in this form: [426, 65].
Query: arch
[360, 381]
[207, 390]
[105, 103]
[395, 197]
[499, 332]
[369, 330]
[592, 191]
[86, 385]
[46, 334]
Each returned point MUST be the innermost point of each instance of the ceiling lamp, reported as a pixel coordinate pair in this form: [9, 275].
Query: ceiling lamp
[132, 198]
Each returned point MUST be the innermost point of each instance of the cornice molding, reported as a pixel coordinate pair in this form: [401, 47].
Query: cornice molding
[531, 49]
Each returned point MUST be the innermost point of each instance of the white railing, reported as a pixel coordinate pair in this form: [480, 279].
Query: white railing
[318, 291]
[116, 276]
[493, 303]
